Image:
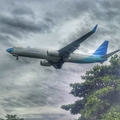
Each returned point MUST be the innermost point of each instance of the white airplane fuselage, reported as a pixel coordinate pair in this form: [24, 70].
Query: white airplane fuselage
[43, 54]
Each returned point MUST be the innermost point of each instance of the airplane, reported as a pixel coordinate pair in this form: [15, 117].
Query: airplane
[57, 58]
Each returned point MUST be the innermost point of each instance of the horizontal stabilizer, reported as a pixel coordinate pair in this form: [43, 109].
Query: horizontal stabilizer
[110, 54]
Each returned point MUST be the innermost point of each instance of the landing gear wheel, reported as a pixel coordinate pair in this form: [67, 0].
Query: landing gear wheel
[17, 58]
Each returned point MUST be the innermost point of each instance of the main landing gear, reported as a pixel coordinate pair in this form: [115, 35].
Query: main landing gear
[17, 58]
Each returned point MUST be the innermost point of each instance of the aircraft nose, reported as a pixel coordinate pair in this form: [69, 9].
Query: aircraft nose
[9, 50]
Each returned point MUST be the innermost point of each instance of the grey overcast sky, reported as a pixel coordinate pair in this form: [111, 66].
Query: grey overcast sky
[35, 92]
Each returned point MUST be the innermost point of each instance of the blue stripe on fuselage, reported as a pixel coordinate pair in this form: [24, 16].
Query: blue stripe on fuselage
[92, 59]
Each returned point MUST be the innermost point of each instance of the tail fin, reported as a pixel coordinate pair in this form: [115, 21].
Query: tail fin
[102, 50]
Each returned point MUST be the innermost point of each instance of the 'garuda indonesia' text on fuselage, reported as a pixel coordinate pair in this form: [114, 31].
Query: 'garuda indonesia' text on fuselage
[57, 58]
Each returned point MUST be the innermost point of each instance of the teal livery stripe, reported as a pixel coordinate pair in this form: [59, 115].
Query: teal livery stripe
[92, 59]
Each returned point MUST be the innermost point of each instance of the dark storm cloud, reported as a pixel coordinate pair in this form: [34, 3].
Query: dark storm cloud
[24, 11]
[12, 102]
[70, 9]
[49, 21]
[19, 26]
[20, 21]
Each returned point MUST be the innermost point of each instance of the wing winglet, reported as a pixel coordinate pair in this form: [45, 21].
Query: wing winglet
[94, 29]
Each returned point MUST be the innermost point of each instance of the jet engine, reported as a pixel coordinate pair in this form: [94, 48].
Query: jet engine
[45, 63]
[54, 53]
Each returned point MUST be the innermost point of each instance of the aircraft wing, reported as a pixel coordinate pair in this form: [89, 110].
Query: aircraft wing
[70, 48]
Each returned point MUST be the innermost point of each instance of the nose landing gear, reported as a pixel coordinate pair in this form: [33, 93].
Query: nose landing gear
[17, 58]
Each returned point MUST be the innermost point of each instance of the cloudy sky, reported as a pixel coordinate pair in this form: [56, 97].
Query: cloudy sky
[30, 90]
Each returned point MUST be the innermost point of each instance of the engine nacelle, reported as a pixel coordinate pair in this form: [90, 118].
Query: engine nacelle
[45, 63]
[54, 53]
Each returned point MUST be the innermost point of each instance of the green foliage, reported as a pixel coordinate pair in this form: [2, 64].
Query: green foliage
[99, 93]
[112, 114]
[12, 117]
[74, 108]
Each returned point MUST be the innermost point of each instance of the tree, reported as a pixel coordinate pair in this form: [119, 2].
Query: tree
[12, 117]
[99, 93]
[1, 119]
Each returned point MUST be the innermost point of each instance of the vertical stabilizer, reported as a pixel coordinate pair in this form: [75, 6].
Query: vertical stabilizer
[102, 50]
